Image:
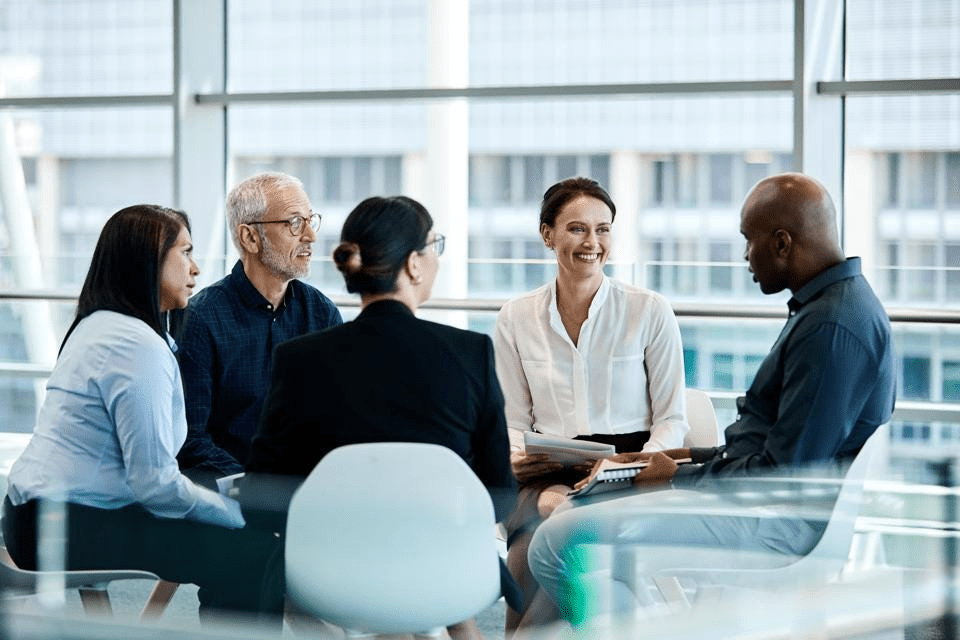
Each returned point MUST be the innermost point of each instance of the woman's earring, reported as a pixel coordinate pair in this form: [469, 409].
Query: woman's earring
[417, 280]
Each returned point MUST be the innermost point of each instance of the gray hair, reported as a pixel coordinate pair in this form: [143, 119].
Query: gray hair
[247, 202]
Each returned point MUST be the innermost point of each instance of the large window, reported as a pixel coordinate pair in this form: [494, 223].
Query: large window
[546, 91]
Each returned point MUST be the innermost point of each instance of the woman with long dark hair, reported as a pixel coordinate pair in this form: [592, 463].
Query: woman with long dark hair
[110, 426]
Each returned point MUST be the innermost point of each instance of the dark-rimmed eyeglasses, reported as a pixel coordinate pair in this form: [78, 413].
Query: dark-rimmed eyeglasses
[296, 223]
[438, 243]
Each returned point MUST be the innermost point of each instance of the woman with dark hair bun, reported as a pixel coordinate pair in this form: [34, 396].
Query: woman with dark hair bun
[586, 357]
[113, 419]
[386, 376]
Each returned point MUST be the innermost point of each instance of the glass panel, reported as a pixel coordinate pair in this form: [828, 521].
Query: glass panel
[895, 39]
[534, 179]
[723, 371]
[953, 180]
[952, 262]
[20, 394]
[349, 150]
[65, 47]
[721, 179]
[690, 362]
[383, 43]
[600, 169]
[916, 377]
[907, 147]
[81, 168]
[721, 278]
[489, 180]
[921, 177]
[951, 381]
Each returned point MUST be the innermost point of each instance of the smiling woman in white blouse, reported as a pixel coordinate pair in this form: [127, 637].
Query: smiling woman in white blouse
[584, 357]
[112, 421]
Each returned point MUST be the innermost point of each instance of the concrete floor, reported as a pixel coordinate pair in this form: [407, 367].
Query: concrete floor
[128, 597]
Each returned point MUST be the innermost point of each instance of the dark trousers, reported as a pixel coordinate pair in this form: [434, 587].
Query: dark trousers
[237, 570]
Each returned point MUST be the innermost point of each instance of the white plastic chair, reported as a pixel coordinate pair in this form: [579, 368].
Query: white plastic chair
[392, 537]
[823, 563]
[92, 585]
[704, 430]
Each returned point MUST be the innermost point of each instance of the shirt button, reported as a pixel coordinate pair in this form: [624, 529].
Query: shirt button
[269, 307]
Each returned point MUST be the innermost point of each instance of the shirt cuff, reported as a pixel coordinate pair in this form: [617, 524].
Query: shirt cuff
[685, 475]
[699, 455]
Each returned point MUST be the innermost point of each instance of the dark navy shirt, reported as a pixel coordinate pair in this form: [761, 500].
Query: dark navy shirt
[225, 341]
[828, 382]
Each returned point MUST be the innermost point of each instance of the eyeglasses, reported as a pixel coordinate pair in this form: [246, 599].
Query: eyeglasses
[438, 241]
[296, 223]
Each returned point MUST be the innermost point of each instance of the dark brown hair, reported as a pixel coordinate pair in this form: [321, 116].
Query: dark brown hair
[376, 239]
[559, 195]
[125, 270]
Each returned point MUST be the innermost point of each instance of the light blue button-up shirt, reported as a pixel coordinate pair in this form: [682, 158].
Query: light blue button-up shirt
[111, 425]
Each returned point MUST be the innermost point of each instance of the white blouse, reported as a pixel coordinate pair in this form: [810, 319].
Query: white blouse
[111, 425]
[625, 374]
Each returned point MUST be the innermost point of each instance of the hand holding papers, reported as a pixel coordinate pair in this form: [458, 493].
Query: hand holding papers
[566, 451]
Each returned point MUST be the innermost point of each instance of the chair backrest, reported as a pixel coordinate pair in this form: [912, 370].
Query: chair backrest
[392, 537]
[825, 560]
[833, 549]
[704, 431]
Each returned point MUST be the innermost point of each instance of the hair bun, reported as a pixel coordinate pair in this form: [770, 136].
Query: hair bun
[347, 257]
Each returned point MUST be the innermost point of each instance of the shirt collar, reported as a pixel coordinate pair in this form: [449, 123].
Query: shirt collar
[249, 294]
[847, 269]
[598, 299]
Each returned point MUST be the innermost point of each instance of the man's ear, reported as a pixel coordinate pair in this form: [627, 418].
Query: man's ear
[249, 239]
[546, 232]
[782, 243]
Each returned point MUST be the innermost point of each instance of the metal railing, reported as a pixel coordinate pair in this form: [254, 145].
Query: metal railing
[906, 410]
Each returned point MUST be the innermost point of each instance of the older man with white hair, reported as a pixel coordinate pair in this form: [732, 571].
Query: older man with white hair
[227, 334]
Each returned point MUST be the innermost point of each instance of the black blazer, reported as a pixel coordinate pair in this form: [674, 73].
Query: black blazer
[385, 377]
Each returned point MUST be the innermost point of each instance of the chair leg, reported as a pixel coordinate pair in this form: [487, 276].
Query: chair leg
[96, 600]
[672, 592]
[160, 597]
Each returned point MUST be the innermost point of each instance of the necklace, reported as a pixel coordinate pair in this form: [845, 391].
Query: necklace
[569, 317]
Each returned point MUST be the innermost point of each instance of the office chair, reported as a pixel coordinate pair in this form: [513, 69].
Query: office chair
[92, 585]
[704, 430]
[392, 537]
[825, 562]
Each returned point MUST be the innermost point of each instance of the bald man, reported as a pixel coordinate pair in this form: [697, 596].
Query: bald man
[826, 385]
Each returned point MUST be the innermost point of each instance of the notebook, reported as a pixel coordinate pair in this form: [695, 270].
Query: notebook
[614, 475]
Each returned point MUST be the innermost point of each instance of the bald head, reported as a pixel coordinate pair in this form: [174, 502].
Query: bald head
[790, 225]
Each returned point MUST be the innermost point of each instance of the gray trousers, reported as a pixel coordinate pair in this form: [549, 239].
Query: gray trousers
[574, 554]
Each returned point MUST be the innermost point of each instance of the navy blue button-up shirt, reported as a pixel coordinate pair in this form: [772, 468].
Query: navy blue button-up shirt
[225, 341]
[828, 382]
